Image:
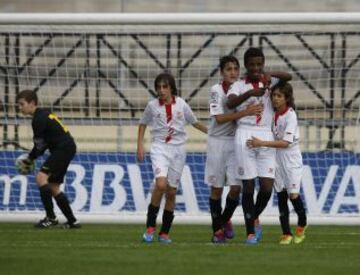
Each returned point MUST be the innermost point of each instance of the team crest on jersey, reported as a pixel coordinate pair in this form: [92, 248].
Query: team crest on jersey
[179, 115]
[241, 171]
[212, 179]
[157, 170]
[271, 170]
[213, 97]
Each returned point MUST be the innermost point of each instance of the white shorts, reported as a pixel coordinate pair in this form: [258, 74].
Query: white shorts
[254, 162]
[288, 172]
[220, 162]
[168, 161]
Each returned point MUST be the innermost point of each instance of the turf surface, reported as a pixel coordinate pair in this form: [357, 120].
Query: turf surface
[117, 249]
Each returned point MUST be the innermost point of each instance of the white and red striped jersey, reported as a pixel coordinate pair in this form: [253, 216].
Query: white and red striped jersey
[168, 121]
[265, 119]
[285, 127]
[217, 104]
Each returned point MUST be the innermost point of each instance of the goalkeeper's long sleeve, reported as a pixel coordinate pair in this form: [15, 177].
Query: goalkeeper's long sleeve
[49, 133]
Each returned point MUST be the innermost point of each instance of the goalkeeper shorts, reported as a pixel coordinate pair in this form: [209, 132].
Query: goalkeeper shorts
[58, 162]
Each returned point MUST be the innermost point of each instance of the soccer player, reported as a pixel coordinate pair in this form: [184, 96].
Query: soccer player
[220, 160]
[254, 163]
[289, 164]
[49, 133]
[167, 117]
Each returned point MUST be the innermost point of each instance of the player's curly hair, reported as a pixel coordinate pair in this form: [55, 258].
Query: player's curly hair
[287, 90]
[168, 79]
[253, 52]
[228, 59]
[28, 96]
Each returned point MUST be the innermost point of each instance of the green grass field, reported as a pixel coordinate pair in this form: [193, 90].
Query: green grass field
[117, 249]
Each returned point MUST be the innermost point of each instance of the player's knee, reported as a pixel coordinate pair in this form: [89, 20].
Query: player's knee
[266, 184]
[216, 193]
[41, 179]
[294, 196]
[161, 185]
[248, 186]
[171, 193]
[234, 192]
[55, 189]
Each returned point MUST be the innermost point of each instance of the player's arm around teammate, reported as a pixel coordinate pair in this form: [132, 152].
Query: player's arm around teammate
[201, 127]
[289, 167]
[167, 116]
[220, 160]
[221, 219]
[265, 79]
[260, 163]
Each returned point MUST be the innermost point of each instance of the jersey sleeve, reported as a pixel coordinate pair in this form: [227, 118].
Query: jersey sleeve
[189, 116]
[147, 116]
[274, 81]
[235, 89]
[290, 129]
[215, 103]
[40, 145]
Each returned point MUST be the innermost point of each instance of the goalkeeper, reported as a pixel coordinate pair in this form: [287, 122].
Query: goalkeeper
[49, 133]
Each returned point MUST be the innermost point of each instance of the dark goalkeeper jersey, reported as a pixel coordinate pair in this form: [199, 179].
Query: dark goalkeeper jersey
[49, 133]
